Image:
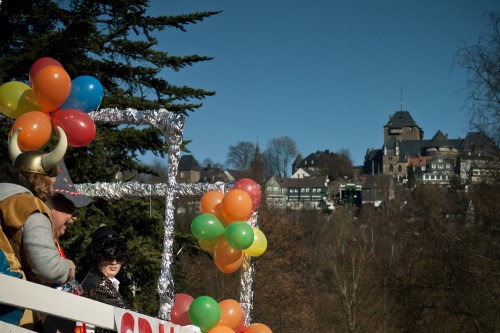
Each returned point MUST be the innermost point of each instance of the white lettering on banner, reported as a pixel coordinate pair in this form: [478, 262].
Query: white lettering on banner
[133, 322]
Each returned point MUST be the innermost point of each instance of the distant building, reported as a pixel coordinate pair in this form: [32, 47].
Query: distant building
[189, 171]
[406, 154]
[405, 157]
[478, 159]
[297, 193]
[377, 189]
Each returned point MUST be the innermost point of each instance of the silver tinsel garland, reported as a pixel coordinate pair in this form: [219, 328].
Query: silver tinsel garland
[171, 125]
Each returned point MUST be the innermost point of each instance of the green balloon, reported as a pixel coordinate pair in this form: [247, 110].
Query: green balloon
[239, 235]
[204, 312]
[206, 227]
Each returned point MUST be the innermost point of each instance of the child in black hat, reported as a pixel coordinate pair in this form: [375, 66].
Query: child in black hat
[107, 253]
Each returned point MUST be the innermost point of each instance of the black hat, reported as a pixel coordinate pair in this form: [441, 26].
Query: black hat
[106, 244]
[104, 233]
[65, 187]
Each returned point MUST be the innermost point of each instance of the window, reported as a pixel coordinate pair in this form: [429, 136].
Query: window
[391, 168]
[400, 168]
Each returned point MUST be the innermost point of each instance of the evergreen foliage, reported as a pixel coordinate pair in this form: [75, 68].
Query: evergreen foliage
[115, 42]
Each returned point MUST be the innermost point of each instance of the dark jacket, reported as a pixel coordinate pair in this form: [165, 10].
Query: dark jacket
[99, 288]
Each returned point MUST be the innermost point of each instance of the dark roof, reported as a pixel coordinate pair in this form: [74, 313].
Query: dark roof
[237, 174]
[401, 119]
[298, 159]
[212, 174]
[411, 147]
[415, 147]
[305, 182]
[300, 182]
[478, 142]
[377, 182]
[188, 163]
[374, 153]
[313, 159]
[439, 140]
[391, 143]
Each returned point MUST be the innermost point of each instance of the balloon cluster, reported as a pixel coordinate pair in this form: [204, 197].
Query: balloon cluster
[52, 100]
[212, 317]
[221, 228]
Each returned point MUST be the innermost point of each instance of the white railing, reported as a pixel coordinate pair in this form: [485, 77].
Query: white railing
[28, 295]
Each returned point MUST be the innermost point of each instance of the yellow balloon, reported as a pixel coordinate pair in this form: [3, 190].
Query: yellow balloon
[259, 244]
[17, 98]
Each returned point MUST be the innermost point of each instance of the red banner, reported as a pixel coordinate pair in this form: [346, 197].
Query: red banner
[133, 322]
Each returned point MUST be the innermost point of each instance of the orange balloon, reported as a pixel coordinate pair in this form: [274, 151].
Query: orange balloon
[209, 200]
[36, 130]
[257, 328]
[218, 212]
[209, 245]
[51, 86]
[236, 206]
[231, 313]
[220, 329]
[227, 259]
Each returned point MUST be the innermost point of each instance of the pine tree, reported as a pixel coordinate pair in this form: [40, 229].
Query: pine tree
[115, 42]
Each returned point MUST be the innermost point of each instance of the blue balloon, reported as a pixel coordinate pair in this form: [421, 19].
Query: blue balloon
[86, 94]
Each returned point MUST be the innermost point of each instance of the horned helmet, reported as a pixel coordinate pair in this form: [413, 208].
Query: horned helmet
[37, 161]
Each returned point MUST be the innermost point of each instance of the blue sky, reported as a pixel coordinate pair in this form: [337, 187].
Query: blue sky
[326, 73]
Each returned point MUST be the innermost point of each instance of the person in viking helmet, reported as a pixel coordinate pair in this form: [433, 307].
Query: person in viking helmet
[27, 229]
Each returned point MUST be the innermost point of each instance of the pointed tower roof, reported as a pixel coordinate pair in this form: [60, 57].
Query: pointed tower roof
[257, 156]
[401, 119]
[439, 140]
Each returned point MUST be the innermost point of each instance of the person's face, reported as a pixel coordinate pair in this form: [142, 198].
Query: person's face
[109, 267]
[63, 213]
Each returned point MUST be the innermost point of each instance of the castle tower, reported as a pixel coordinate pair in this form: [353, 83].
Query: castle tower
[401, 126]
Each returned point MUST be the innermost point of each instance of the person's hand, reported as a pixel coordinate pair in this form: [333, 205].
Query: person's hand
[72, 267]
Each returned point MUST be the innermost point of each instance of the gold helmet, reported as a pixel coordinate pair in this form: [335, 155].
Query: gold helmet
[37, 161]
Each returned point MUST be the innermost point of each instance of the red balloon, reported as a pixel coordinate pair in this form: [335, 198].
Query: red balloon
[241, 326]
[78, 126]
[252, 188]
[179, 314]
[41, 63]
